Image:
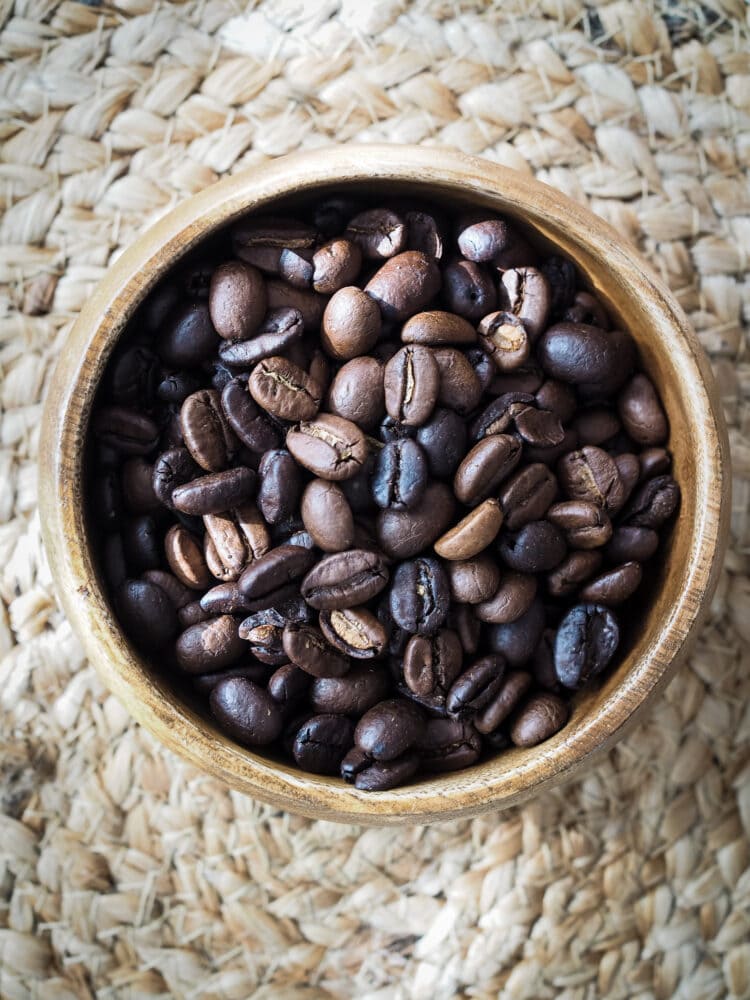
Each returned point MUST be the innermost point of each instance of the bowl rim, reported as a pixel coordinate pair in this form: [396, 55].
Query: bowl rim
[488, 785]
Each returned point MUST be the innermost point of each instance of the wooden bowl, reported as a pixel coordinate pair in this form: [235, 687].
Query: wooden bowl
[689, 560]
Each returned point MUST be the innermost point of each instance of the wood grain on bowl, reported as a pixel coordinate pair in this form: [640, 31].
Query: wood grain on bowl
[670, 354]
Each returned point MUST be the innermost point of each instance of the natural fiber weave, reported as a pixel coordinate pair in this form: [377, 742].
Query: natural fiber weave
[123, 872]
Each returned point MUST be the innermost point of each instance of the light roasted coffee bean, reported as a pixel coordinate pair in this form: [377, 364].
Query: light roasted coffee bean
[473, 581]
[438, 328]
[327, 516]
[412, 384]
[351, 324]
[329, 446]
[404, 285]
[473, 533]
[284, 390]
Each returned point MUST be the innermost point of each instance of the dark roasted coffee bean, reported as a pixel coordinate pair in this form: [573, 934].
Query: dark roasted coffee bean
[525, 380]
[654, 462]
[561, 275]
[558, 398]
[389, 729]
[511, 692]
[224, 599]
[404, 533]
[354, 631]
[279, 330]
[596, 425]
[549, 456]
[443, 439]
[404, 285]
[425, 233]
[499, 416]
[378, 776]
[411, 382]
[210, 645]
[631, 542]
[473, 533]
[505, 338]
[271, 231]
[327, 516]
[239, 536]
[147, 613]
[431, 664]
[467, 625]
[192, 614]
[488, 463]
[288, 684]
[205, 683]
[391, 430]
[378, 232]
[176, 591]
[542, 664]
[400, 475]
[585, 524]
[517, 640]
[207, 435]
[215, 493]
[322, 742]
[236, 300]
[357, 392]
[280, 486]
[449, 745]
[460, 388]
[629, 471]
[176, 387]
[246, 711]
[351, 324]
[542, 716]
[310, 305]
[585, 355]
[586, 309]
[357, 489]
[468, 290]
[396, 637]
[537, 547]
[137, 486]
[277, 568]
[329, 446]
[586, 641]
[477, 686]
[509, 601]
[474, 580]
[591, 474]
[134, 378]
[575, 569]
[641, 412]
[527, 495]
[345, 580]
[614, 586]
[438, 328]
[654, 503]
[141, 543]
[188, 338]
[296, 267]
[483, 239]
[284, 390]
[353, 694]
[248, 421]
[127, 432]
[420, 595]
[539, 428]
[525, 292]
[483, 366]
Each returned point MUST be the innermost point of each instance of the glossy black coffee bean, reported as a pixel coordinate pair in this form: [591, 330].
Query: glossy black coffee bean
[389, 729]
[245, 711]
[586, 641]
[420, 596]
[400, 475]
[517, 640]
[148, 615]
[449, 745]
[537, 547]
[322, 742]
[443, 440]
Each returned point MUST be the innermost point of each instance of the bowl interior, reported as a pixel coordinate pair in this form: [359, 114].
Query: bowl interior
[663, 616]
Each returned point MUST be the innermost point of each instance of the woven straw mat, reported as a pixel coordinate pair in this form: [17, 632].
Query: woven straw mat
[124, 872]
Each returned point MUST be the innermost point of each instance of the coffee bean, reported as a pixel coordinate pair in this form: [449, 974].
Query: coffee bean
[357, 392]
[239, 537]
[558, 398]
[575, 569]
[127, 432]
[525, 380]
[499, 416]
[247, 420]
[629, 542]
[488, 463]
[642, 413]
[404, 285]
[443, 439]
[188, 337]
[420, 595]
[208, 437]
[329, 446]
[184, 554]
[467, 625]
[483, 239]
[205, 683]
[473, 581]
[353, 694]
[288, 684]
[654, 503]
[404, 533]
[351, 324]
[344, 580]
[585, 355]
[137, 486]
[389, 729]
[425, 232]
[176, 591]
[411, 382]
[517, 640]
[550, 455]
[596, 425]
[271, 231]
[322, 742]
[542, 716]
[224, 599]
[590, 474]
[306, 646]
[514, 687]
[584, 523]
[539, 428]
[468, 290]
[309, 304]
[438, 328]
[476, 687]
[399, 477]
[586, 309]
[460, 388]
[336, 264]
[585, 643]
[629, 471]
[378, 776]
[432, 664]
[280, 486]
[483, 365]
[654, 462]
[354, 631]
[503, 336]
[509, 601]
[215, 493]
[280, 329]
[245, 711]
[277, 568]
[146, 612]
[192, 614]
[210, 645]
[284, 390]
[378, 232]
[525, 292]
[236, 300]
[449, 745]
[614, 586]
[473, 533]
[327, 516]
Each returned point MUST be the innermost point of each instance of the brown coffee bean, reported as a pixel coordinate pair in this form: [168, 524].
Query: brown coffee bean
[654, 503]
[540, 717]
[207, 435]
[596, 425]
[525, 292]
[215, 493]
[344, 580]
[245, 711]
[306, 646]
[449, 745]
[473, 580]
[587, 309]
[425, 233]
[591, 474]
[510, 601]
[309, 304]
[437, 328]
[404, 284]
[432, 663]
[614, 586]
[527, 495]
[630, 542]
[476, 687]
[585, 355]
[539, 428]
[558, 398]
[460, 388]
[248, 421]
[275, 569]
[184, 554]
[363, 686]
[192, 614]
[585, 524]
[641, 412]
[378, 776]
[467, 625]
[483, 239]
[280, 329]
[468, 290]
[514, 687]
[329, 446]
[138, 486]
[172, 469]
[653, 462]
[354, 631]
[351, 324]
[285, 390]
[210, 645]
[473, 533]
[187, 338]
[125, 431]
[577, 567]
[239, 537]
[271, 231]
[146, 612]
[378, 232]
[357, 392]
[488, 463]
[504, 337]
[404, 533]
[389, 729]
[224, 599]
[499, 416]
[327, 515]
[411, 382]
[335, 265]
[177, 592]
[236, 300]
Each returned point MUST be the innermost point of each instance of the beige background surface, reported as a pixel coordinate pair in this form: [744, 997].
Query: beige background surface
[124, 873]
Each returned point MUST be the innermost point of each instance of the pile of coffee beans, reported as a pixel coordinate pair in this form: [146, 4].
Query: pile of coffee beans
[376, 481]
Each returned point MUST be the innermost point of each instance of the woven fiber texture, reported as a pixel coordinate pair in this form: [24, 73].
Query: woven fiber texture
[125, 873]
